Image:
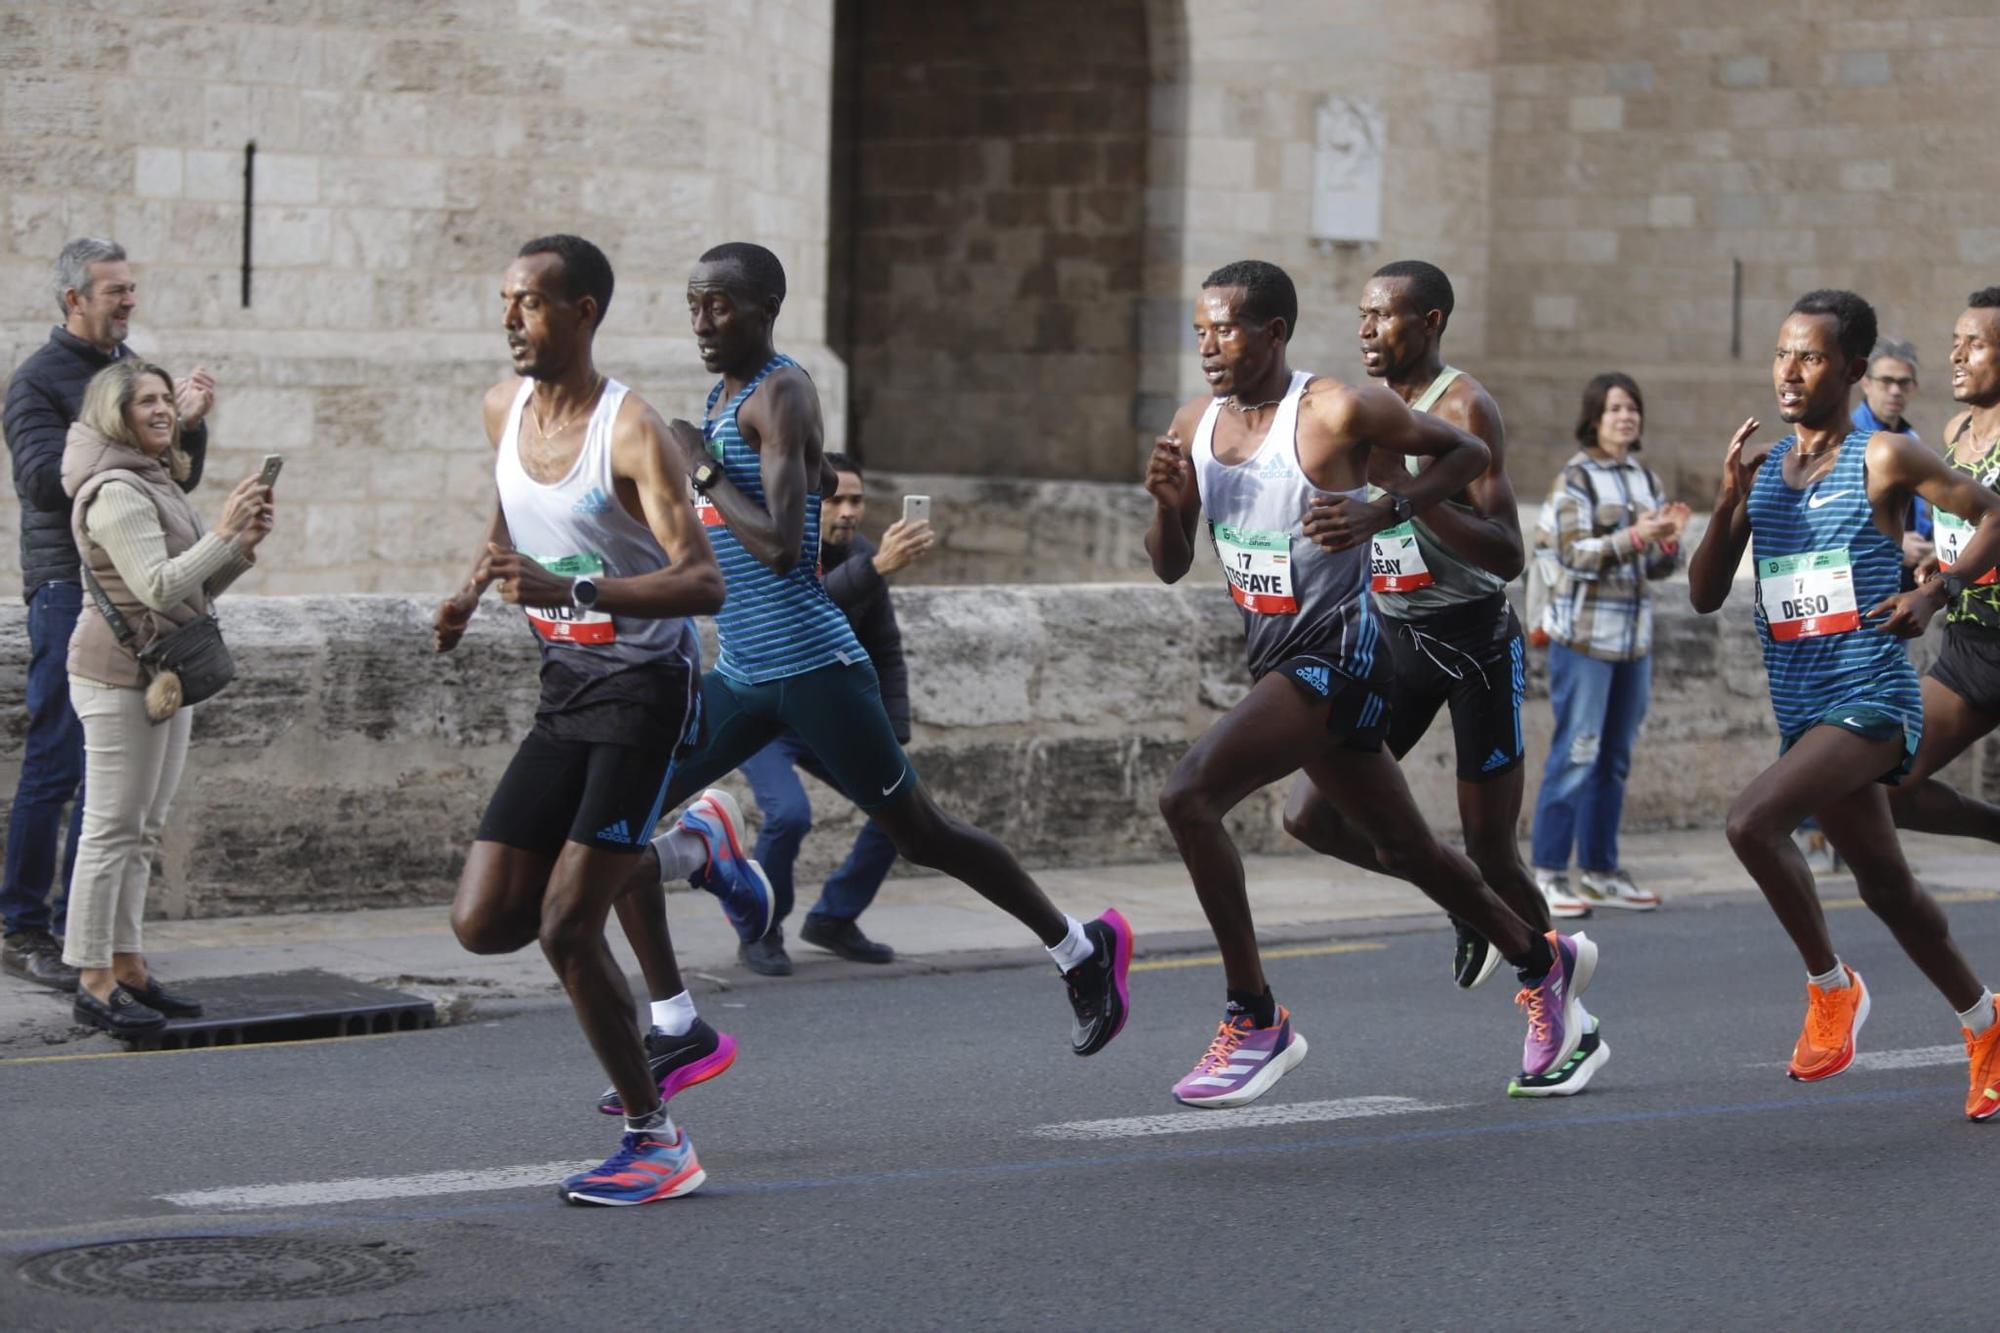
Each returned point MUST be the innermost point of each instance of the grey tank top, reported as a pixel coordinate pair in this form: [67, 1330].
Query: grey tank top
[1411, 571]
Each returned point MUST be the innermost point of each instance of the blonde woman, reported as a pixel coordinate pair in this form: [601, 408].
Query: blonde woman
[141, 541]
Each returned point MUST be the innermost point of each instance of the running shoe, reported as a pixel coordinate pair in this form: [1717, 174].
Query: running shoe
[1983, 1101]
[1097, 984]
[1574, 1075]
[737, 881]
[1833, 1021]
[1473, 958]
[1242, 1063]
[1563, 905]
[1556, 1018]
[646, 1169]
[1614, 888]
[678, 1063]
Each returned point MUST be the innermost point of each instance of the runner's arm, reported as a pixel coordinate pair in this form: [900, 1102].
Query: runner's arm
[1490, 534]
[1901, 462]
[454, 613]
[647, 454]
[784, 414]
[1377, 419]
[1176, 499]
[1713, 567]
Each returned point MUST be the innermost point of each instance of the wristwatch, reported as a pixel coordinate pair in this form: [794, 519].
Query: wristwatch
[706, 473]
[1398, 505]
[583, 592]
[1952, 584]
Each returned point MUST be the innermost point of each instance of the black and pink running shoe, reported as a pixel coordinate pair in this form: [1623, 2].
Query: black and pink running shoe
[1097, 985]
[679, 1063]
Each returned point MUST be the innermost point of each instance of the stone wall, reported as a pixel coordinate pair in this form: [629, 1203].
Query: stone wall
[348, 766]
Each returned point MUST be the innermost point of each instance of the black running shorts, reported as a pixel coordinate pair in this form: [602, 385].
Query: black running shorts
[1472, 659]
[1358, 711]
[1968, 664]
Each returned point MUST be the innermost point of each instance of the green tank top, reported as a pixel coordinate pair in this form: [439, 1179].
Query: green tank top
[1979, 604]
[1411, 571]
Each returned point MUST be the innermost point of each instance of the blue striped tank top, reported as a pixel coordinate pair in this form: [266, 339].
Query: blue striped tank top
[1820, 563]
[771, 625]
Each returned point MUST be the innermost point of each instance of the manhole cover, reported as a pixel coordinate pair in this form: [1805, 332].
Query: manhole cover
[219, 1268]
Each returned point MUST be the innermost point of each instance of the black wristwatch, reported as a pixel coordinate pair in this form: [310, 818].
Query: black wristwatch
[706, 473]
[583, 592]
[1952, 584]
[1398, 506]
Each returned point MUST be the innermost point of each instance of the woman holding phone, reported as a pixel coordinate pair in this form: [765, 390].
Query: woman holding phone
[143, 547]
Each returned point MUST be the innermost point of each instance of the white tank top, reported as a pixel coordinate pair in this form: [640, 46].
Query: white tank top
[576, 526]
[1296, 597]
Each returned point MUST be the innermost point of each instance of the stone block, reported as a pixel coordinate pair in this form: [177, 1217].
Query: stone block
[1629, 76]
[1872, 177]
[1744, 72]
[1553, 312]
[293, 237]
[1859, 69]
[156, 172]
[1671, 210]
[1594, 115]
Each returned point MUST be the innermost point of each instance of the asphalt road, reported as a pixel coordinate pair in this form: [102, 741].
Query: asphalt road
[882, 1156]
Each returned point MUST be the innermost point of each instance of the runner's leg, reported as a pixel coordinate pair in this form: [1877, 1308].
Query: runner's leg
[1922, 803]
[581, 888]
[1490, 813]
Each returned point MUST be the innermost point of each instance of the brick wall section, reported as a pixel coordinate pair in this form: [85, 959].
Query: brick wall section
[998, 159]
[404, 152]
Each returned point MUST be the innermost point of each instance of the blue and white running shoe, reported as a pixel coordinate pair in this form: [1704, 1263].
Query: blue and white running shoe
[738, 882]
[646, 1169]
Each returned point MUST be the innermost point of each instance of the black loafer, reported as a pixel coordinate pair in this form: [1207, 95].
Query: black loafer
[35, 956]
[155, 996]
[843, 937]
[766, 957]
[123, 1016]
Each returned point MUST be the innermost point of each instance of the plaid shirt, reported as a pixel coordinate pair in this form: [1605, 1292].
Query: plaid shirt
[1602, 601]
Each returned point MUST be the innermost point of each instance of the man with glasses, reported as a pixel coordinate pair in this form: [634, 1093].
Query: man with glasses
[1885, 396]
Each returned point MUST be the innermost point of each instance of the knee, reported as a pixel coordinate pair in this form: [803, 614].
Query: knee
[1583, 751]
[1186, 803]
[1402, 853]
[1892, 898]
[1747, 829]
[1496, 854]
[485, 932]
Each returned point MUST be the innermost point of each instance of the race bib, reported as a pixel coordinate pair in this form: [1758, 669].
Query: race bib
[705, 510]
[1808, 596]
[1258, 566]
[571, 624]
[1953, 533]
[1395, 563]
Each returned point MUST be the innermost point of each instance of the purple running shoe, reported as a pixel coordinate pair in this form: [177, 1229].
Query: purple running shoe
[1556, 1021]
[1242, 1062]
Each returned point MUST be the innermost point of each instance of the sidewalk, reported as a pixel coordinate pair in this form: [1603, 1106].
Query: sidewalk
[935, 925]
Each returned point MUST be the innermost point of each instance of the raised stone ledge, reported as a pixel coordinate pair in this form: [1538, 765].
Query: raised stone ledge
[348, 766]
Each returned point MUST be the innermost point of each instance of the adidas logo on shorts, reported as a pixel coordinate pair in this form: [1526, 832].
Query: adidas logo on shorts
[1318, 677]
[619, 832]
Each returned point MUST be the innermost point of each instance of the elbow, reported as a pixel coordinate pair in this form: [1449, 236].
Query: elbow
[710, 592]
[1703, 598]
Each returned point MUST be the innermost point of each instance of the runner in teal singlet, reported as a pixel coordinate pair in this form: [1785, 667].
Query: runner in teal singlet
[1825, 509]
[791, 663]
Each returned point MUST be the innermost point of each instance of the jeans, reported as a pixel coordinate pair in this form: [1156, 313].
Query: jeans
[773, 776]
[51, 770]
[1599, 706]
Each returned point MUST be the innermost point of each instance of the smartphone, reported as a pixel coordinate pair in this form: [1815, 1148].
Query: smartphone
[273, 465]
[916, 509]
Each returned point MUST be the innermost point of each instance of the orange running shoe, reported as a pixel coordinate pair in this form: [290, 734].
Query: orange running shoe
[1833, 1021]
[1983, 1101]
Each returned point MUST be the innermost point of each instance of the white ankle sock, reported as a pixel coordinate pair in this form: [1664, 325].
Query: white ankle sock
[674, 1017]
[1074, 947]
[656, 1122]
[1980, 1016]
[681, 852]
[1834, 980]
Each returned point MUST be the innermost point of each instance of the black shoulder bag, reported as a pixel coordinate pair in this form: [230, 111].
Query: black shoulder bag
[186, 666]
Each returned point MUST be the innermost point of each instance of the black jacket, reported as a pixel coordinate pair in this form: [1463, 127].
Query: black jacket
[856, 588]
[43, 399]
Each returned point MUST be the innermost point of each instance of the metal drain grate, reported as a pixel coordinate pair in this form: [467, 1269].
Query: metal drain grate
[220, 1268]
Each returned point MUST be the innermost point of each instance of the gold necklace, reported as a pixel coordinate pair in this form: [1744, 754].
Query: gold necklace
[569, 420]
[1247, 408]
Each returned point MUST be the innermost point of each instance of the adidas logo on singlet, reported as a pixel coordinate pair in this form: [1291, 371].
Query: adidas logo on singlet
[594, 501]
[1272, 468]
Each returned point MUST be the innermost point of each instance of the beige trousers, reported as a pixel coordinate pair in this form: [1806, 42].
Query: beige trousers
[131, 768]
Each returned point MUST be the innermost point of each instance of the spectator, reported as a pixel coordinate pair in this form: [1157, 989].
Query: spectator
[857, 580]
[141, 541]
[1885, 396]
[96, 294]
[1611, 532]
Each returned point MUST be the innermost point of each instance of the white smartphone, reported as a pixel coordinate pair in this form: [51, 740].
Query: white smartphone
[273, 465]
[916, 509]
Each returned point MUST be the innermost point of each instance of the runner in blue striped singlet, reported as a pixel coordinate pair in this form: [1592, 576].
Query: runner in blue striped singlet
[1278, 460]
[1821, 514]
[789, 661]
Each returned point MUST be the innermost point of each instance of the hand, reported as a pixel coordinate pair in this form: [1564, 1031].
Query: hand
[1926, 567]
[902, 543]
[1653, 525]
[194, 395]
[690, 439]
[521, 580]
[244, 506]
[454, 613]
[260, 527]
[1907, 614]
[1917, 552]
[1677, 512]
[1166, 471]
[1737, 473]
[1339, 523]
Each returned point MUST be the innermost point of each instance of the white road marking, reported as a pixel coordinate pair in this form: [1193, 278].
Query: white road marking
[307, 1193]
[1914, 1057]
[1240, 1117]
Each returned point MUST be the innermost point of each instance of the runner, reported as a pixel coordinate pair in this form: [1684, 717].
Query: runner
[589, 479]
[1962, 688]
[1825, 507]
[790, 660]
[1279, 461]
[1453, 640]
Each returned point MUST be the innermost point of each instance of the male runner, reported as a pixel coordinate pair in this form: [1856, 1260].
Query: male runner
[1962, 689]
[590, 482]
[1440, 582]
[1279, 461]
[790, 660]
[1825, 506]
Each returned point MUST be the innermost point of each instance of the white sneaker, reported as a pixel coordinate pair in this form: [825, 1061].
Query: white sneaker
[1554, 885]
[1614, 888]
